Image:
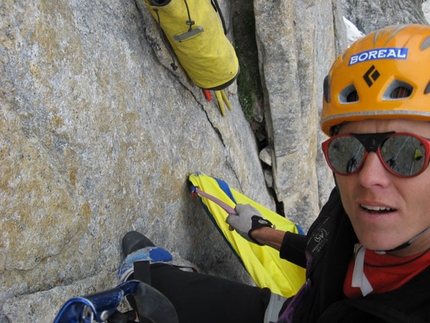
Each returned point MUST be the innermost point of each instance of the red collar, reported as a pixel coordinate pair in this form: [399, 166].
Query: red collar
[386, 272]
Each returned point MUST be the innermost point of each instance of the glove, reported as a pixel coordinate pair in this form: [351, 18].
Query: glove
[247, 220]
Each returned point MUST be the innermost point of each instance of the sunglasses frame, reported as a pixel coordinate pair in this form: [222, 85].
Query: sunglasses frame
[372, 142]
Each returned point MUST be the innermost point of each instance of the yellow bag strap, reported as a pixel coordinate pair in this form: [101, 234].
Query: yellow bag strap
[222, 99]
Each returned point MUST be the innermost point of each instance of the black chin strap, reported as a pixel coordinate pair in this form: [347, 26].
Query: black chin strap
[404, 245]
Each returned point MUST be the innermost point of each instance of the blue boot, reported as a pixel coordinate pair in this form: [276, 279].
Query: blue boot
[137, 247]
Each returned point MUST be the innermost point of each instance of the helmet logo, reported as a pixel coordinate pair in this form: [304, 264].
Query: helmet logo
[371, 74]
[379, 53]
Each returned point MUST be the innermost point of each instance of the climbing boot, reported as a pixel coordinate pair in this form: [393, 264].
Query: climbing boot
[136, 247]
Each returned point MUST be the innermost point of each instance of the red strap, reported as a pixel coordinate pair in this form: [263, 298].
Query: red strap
[207, 94]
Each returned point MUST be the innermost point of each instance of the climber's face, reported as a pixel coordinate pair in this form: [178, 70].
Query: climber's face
[385, 209]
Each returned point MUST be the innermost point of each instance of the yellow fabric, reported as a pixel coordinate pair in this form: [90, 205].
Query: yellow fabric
[204, 52]
[263, 263]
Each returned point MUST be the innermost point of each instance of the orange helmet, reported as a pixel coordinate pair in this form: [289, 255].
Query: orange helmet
[384, 75]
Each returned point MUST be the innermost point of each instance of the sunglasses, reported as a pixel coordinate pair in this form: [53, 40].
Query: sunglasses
[402, 154]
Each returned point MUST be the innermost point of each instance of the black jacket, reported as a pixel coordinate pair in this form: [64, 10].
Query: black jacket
[328, 249]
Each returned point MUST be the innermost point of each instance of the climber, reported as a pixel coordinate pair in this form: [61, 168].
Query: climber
[367, 253]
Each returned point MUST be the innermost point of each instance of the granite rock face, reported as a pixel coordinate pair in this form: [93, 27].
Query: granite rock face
[296, 40]
[97, 138]
[370, 15]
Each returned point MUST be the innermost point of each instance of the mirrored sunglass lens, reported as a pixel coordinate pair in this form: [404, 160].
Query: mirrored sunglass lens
[405, 155]
[345, 154]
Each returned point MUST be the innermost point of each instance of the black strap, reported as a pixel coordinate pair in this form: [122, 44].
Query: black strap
[119, 317]
[218, 10]
[149, 305]
[143, 274]
[165, 42]
[142, 271]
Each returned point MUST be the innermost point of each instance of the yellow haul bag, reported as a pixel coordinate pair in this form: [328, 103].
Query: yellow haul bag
[195, 32]
[263, 263]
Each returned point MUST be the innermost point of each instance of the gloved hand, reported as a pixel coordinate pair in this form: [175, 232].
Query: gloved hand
[247, 220]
